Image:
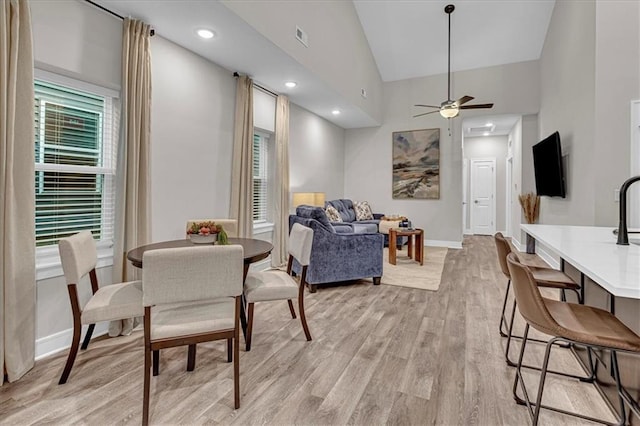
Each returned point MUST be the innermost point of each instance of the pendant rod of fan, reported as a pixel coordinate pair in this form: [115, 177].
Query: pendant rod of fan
[449, 57]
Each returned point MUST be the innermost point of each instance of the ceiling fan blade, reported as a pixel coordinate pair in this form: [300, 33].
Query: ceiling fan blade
[477, 106]
[464, 100]
[425, 113]
[427, 106]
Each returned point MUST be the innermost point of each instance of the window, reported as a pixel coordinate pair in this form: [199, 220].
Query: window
[260, 177]
[75, 152]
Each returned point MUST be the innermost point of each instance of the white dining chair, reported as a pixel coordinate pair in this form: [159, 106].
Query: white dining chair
[191, 295]
[107, 303]
[275, 284]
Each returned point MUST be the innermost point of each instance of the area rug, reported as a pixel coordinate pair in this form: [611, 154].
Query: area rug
[409, 273]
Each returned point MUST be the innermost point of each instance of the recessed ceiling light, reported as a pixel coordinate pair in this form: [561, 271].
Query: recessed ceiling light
[488, 125]
[205, 33]
[335, 112]
[485, 134]
[291, 84]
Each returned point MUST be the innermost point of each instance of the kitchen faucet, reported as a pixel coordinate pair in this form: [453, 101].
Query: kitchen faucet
[623, 235]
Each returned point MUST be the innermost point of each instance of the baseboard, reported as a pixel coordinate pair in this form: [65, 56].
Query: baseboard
[444, 243]
[518, 245]
[549, 258]
[54, 343]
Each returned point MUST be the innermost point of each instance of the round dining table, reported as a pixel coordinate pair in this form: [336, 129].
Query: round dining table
[254, 250]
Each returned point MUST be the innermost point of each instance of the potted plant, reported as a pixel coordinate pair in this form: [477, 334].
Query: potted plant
[206, 232]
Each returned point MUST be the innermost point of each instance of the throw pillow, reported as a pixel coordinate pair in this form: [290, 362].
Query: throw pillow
[363, 210]
[332, 214]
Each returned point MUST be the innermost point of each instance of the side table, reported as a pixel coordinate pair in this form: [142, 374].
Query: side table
[415, 247]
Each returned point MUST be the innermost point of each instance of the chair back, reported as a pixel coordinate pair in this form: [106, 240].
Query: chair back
[300, 241]
[503, 248]
[79, 256]
[190, 274]
[230, 226]
[528, 297]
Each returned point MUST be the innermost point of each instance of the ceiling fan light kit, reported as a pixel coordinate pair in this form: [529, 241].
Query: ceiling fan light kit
[451, 108]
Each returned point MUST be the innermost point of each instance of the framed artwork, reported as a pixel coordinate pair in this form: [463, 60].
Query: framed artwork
[416, 164]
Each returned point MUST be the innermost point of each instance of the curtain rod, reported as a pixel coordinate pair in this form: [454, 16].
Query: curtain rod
[111, 12]
[264, 89]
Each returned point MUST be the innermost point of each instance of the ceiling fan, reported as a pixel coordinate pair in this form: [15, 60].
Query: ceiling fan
[450, 108]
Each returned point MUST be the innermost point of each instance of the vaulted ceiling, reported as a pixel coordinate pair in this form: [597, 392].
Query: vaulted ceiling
[407, 38]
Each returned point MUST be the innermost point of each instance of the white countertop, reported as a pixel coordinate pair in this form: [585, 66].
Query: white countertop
[593, 251]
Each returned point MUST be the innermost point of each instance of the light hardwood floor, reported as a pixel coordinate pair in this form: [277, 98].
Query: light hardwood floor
[379, 355]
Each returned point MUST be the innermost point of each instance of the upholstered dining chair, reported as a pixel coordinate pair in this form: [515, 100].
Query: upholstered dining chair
[569, 323]
[230, 226]
[191, 295]
[544, 277]
[107, 303]
[274, 284]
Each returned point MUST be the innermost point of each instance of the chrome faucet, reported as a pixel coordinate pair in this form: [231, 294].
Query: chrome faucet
[623, 235]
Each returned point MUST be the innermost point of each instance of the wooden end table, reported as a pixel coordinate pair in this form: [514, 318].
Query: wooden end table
[416, 241]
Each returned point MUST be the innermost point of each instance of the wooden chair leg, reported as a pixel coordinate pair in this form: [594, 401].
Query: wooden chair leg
[249, 327]
[303, 317]
[156, 363]
[293, 312]
[236, 356]
[229, 350]
[73, 351]
[147, 382]
[87, 337]
[191, 358]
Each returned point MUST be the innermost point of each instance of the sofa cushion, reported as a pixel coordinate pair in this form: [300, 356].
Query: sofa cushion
[365, 228]
[363, 210]
[317, 213]
[345, 208]
[332, 214]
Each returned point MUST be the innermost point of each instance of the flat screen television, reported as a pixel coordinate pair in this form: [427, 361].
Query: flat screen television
[547, 166]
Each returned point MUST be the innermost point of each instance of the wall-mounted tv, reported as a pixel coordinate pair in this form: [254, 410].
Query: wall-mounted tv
[547, 166]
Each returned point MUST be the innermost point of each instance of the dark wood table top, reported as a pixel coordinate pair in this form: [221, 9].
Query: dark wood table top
[403, 232]
[254, 250]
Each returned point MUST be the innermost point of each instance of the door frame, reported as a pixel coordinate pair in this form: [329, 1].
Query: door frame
[634, 211]
[508, 195]
[465, 196]
[471, 192]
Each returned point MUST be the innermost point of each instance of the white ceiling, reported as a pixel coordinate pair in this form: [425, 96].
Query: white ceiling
[494, 125]
[407, 38]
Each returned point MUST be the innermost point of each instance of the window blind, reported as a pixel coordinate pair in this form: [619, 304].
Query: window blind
[75, 156]
[260, 170]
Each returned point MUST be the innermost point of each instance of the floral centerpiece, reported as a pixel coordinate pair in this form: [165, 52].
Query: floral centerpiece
[206, 232]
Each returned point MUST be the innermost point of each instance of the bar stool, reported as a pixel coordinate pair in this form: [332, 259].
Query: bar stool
[543, 277]
[569, 323]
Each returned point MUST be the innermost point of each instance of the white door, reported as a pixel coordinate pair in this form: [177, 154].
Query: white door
[483, 190]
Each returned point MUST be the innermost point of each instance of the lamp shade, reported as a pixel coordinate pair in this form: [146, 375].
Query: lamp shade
[308, 198]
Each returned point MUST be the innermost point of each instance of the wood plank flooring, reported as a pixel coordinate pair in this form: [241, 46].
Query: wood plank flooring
[379, 355]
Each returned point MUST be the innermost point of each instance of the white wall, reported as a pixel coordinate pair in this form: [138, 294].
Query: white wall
[192, 117]
[316, 152]
[513, 88]
[568, 106]
[490, 147]
[617, 83]
[71, 38]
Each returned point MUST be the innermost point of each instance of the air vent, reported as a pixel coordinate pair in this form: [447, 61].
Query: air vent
[481, 129]
[302, 36]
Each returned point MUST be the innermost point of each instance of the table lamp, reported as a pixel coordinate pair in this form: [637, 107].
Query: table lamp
[308, 198]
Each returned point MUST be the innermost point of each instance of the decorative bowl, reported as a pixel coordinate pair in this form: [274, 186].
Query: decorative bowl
[203, 239]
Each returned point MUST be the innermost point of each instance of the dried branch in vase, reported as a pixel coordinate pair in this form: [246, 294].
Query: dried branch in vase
[530, 203]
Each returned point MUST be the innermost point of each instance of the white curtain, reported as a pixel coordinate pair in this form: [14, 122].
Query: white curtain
[17, 193]
[241, 206]
[132, 227]
[281, 185]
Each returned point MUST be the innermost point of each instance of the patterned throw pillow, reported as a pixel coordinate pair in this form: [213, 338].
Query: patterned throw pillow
[363, 210]
[332, 214]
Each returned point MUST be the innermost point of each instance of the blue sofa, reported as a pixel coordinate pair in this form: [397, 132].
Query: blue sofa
[348, 215]
[337, 253]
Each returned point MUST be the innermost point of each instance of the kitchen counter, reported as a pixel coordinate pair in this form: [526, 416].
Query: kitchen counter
[593, 251]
